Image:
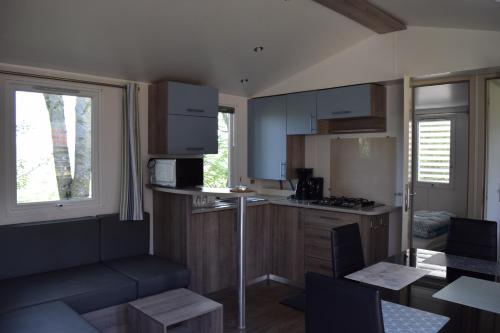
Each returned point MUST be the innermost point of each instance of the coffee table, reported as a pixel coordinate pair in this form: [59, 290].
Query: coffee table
[178, 310]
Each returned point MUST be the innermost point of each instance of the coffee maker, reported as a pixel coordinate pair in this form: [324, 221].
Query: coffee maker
[302, 192]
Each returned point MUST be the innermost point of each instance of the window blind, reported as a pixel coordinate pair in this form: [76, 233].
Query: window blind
[434, 151]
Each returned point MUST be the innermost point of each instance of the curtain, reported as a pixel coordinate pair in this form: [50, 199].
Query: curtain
[131, 204]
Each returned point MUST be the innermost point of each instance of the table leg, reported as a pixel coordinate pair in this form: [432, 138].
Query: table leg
[241, 211]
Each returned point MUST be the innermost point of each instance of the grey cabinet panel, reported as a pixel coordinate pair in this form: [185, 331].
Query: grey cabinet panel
[345, 102]
[192, 135]
[191, 100]
[301, 113]
[267, 138]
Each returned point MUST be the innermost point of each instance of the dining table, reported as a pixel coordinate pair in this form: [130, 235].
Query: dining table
[442, 284]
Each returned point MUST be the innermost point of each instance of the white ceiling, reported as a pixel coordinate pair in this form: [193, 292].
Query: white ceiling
[464, 14]
[201, 41]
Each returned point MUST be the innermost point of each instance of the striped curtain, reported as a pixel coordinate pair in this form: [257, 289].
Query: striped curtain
[131, 205]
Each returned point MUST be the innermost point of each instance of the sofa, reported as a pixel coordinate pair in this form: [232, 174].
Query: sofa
[60, 269]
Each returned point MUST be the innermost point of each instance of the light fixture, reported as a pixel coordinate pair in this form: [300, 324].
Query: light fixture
[258, 49]
[244, 80]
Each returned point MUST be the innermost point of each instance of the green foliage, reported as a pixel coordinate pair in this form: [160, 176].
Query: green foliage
[216, 167]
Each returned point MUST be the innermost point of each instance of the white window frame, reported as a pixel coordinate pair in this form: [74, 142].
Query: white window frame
[436, 117]
[49, 208]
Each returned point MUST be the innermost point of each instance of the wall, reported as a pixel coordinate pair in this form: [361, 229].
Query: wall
[493, 153]
[415, 51]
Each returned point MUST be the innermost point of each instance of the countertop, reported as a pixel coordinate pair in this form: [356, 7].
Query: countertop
[217, 192]
[278, 200]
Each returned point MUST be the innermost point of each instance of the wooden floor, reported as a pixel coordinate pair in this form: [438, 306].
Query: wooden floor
[264, 313]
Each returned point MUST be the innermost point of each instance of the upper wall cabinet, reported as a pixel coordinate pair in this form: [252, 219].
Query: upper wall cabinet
[350, 102]
[182, 119]
[267, 138]
[301, 113]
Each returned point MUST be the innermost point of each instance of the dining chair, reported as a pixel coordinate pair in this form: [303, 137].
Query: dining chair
[347, 251]
[474, 239]
[337, 305]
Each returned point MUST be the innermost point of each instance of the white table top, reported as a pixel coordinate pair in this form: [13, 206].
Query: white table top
[472, 292]
[388, 275]
[403, 319]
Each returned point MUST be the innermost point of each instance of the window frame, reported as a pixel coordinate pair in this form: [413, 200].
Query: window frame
[437, 117]
[49, 208]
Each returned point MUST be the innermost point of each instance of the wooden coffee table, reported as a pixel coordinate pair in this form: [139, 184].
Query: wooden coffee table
[178, 310]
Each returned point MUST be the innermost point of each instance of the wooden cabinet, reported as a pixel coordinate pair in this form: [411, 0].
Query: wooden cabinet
[182, 119]
[301, 113]
[258, 241]
[212, 251]
[318, 224]
[271, 154]
[287, 243]
[317, 241]
[378, 242]
[349, 102]
[353, 109]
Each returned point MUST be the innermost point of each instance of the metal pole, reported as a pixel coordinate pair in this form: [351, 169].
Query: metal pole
[241, 210]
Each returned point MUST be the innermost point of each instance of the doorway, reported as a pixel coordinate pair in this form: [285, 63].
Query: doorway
[440, 154]
[492, 207]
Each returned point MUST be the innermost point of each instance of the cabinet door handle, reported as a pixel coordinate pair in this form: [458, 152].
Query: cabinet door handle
[282, 170]
[195, 148]
[195, 110]
[329, 218]
[341, 112]
[311, 123]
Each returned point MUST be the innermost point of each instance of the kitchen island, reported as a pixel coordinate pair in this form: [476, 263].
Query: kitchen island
[185, 199]
[284, 238]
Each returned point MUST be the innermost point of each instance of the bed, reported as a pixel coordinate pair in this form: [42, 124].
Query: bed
[430, 229]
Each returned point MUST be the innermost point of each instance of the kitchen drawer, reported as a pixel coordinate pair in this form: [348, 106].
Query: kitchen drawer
[345, 102]
[192, 135]
[318, 266]
[317, 243]
[191, 100]
[327, 220]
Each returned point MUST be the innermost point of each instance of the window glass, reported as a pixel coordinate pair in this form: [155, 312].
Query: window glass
[53, 147]
[217, 167]
[434, 151]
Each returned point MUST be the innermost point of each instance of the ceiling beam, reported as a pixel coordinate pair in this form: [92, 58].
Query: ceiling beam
[365, 13]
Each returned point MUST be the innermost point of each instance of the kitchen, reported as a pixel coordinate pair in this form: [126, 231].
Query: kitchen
[249, 166]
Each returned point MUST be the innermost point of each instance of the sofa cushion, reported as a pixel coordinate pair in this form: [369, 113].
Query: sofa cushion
[121, 239]
[31, 248]
[84, 289]
[53, 317]
[152, 274]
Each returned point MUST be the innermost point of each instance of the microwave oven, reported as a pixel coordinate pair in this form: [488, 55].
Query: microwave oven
[180, 172]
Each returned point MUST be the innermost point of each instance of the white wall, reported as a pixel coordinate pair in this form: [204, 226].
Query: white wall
[493, 164]
[416, 51]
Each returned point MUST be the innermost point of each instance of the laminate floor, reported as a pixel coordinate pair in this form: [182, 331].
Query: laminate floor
[264, 313]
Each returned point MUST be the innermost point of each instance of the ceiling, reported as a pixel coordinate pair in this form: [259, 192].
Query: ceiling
[206, 42]
[463, 14]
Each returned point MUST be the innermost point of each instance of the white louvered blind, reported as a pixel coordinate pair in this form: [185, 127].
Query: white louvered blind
[434, 151]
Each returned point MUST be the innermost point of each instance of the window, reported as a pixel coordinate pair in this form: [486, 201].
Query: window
[434, 151]
[217, 167]
[54, 150]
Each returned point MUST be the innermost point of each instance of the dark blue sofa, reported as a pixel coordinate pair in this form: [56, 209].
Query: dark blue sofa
[78, 265]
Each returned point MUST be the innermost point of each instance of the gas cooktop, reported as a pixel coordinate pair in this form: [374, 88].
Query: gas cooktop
[346, 202]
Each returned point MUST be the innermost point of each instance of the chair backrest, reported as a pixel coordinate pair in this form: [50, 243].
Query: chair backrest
[347, 251]
[472, 238]
[338, 305]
